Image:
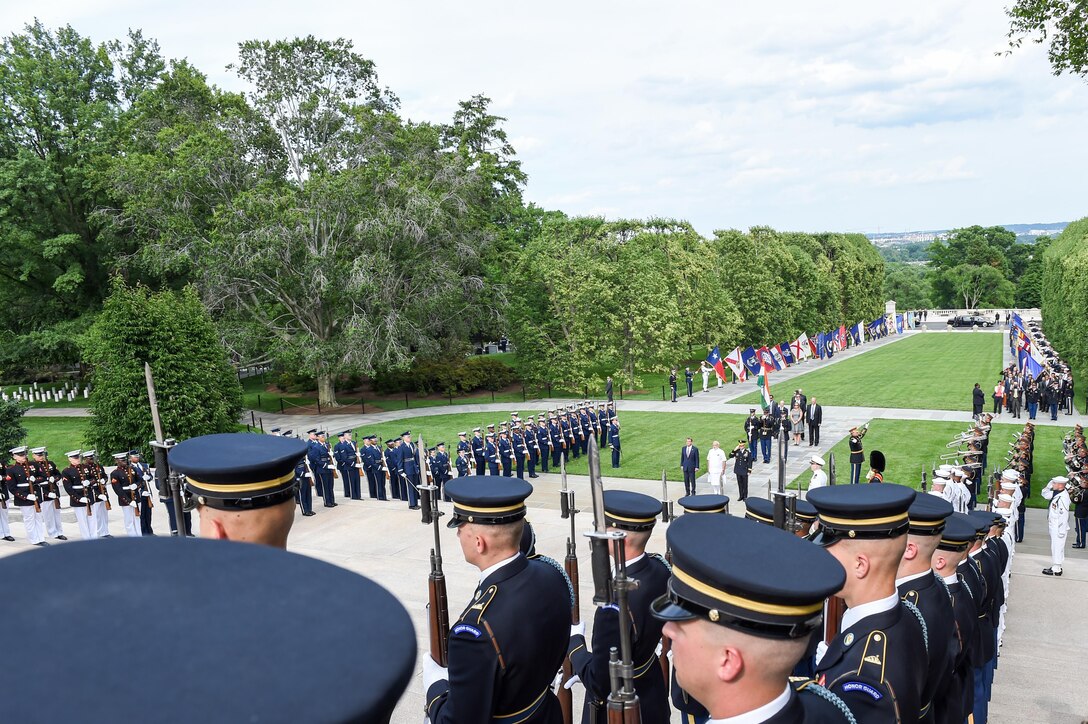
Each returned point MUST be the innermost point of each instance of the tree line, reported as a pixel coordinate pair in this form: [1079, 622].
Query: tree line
[1065, 296]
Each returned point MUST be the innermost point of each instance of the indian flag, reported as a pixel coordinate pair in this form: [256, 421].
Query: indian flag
[764, 385]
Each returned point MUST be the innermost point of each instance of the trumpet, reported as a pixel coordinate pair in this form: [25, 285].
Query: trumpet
[955, 455]
[961, 439]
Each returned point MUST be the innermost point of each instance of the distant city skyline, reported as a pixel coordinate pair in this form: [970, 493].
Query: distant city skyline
[851, 117]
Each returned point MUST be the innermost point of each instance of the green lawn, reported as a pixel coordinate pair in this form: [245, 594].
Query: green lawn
[913, 445]
[650, 441]
[59, 434]
[933, 370]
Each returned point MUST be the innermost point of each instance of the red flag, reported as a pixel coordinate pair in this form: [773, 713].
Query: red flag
[765, 359]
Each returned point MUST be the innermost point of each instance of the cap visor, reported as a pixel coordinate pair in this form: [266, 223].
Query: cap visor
[665, 610]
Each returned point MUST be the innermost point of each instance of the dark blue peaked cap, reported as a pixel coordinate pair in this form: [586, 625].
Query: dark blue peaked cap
[748, 576]
[487, 499]
[928, 514]
[704, 503]
[238, 470]
[984, 520]
[873, 510]
[805, 510]
[218, 635]
[760, 510]
[631, 511]
[959, 532]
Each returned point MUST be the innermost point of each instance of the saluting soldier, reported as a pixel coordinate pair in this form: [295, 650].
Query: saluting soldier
[49, 491]
[123, 481]
[742, 466]
[918, 585]
[635, 515]
[857, 454]
[878, 662]
[737, 631]
[21, 478]
[505, 649]
[101, 507]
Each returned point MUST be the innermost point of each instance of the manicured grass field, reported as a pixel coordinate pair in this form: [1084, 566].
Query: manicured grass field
[650, 441]
[934, 370]
[59, 435]
[913, 445]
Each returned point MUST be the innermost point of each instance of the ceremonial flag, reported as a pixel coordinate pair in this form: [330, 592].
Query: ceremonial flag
[801, 349]
[874, 329]
[820, 346]
[734, 361]
[829, 344]
[857, 334]
[779, 360]
[841, 339]
[764, 385]
[1017, 321]
[813, 346]
[899, 323]
[767, 360]
[750, 360]
[787, 353]
[714, 359]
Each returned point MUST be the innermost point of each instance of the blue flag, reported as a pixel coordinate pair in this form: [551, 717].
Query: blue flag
[829, 343]
[787, 353]
[751, 362]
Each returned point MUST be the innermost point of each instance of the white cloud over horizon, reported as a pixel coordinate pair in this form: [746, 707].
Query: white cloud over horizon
[853, 116]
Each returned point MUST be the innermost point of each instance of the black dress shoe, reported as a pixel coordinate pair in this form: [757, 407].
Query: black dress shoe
[9, 538]
[43, 544]
[308, 514]
[1051, 572]
[62, 537]
[331, 505]
[356, 498]
[413, 507]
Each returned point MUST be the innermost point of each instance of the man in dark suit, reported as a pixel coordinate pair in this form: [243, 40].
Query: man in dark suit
[815, 416]
[978, 400]
[672, 384]
[608, 388]
[689, 463]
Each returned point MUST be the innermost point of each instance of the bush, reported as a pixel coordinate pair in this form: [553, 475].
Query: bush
[457, 376]
[1065, 296]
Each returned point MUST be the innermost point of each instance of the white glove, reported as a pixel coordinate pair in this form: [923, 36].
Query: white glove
[433, 673]
[102, 497]
[821, 649]
[32, 497]
[84, 500]
[578, 629]
[102, 481]
[309, 475]
[52, 496]
[146, 494]
[132, 504]
[571, 682]
[52, 479]
[130, 487]
[34, 479]
[147, 478]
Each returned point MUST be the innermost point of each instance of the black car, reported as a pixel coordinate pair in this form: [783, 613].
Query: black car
[970, 320]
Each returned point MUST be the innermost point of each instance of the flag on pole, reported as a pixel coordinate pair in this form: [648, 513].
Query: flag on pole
[733, 361]
[714, 359]
[899, 323]
[779, 360]
[813, 346]
[857, 334]
[764, 385]
[841, 338]
[829, 344]
[800, 347]
[787, 353]
[766, 360]
[750, 360]
[820, 346]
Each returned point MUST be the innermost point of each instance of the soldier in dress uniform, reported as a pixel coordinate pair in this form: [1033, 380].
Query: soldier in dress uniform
[521, 449]
[558, 442]
[409, 465]
[464, 465]
[587, 428]
[101, 507]
[532, 445]
[441, 468]
[736, 631]
[689, 379]
[506, 454]
[123, 482]
[1057, 521]
[878, 663]
[347, 457]
[321, 467]
[22, 478]
[768, 431]
[244, 485]
[672, 383]
[605, 416]
[49, 491]
[479, 455]
[857, 454]
[142, 474]
[567, 430]
[508, 644]
[491, 452]
[742, 466]
[544, 440]
[752, 425]
[303, 487]
[917, 584]
[5, 497]
[462, 443]
[957, 536]
[170, 599]
[635, 515]
[614, 441]
[372, 466]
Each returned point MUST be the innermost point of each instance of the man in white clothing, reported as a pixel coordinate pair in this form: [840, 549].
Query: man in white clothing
[1057, 519]
[715, 467]
[706, 370]
[819, 477]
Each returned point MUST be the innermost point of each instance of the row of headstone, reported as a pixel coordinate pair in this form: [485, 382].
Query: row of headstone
[68, 393]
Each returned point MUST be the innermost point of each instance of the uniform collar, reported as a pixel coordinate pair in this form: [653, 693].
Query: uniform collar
[857, 613]
[916, 576]
[496, 566]
[762, 714]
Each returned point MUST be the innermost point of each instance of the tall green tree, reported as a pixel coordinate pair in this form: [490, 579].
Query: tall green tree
[197, 388]
[907, 285]
[328, 233]
[974, 247]
[12, 430]
[1063, 24]
[62, 98]
[980, 286]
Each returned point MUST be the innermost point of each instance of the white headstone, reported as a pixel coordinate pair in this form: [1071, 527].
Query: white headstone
[86, 392]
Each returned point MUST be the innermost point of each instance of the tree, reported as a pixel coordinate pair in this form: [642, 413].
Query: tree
[61, 101]
[974, 246]
[1065, 296]
[12, 431]
[197, 389]
[980, 286]
[906, 284]
[323, 231]
[1063, 22]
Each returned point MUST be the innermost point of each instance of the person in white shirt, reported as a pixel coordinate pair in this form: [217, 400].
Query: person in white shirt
[819, 477]
[706, 370]
[715, 467]
[1057, 519]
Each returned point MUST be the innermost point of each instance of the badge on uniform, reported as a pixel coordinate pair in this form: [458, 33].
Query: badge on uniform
[863, 688]
[465, 628]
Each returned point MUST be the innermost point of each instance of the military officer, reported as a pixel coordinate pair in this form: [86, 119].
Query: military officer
[614, 441]
[736, 632]
[142, 475]
[491, 452]
[752, 425]
[304, 481]
[244, 485]
[372, 466]
[1057, 518]
[878, 662]
[587, 428]
[742, 466]
[441, 468]
[463, 464]
[320, 465]
[22, 478]
[5, 496]
[347, 459]
[768, 431]
[635, 515]
[918, 585]
[479, 455]
[123, 482]
[957, 535]
[819, 477]
[391, 458]
[101, 507]
[506, 454]
[501, 667]
[857, 454]
[409, 465]
[672, 383]
[49, 491]
[689, 379]
[595, 426]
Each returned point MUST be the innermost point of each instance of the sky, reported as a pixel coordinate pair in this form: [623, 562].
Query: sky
[843, 116]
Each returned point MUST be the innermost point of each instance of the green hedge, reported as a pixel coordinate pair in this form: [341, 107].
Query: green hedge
[1065, 297]
[447, 376]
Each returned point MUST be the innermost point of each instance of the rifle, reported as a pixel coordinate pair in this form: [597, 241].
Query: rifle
[831, 468]
[52, 480]
[666, 517]
[159, 447]
[33, 487]
[570, 564]
[923, 478]
[623, 705]
[437, 604]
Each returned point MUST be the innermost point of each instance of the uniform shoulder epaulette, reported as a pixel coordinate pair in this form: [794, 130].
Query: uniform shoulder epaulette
[810, 686]
[562, 571]
[472, 619]
[921, 620]
[664, 561]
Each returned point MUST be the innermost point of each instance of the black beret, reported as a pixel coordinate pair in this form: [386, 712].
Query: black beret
[218, 635]
[628, 510]
[487, 499]
[720, 572]
[238, 470]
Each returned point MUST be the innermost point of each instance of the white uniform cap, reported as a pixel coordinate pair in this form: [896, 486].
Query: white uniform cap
[1008, 486]
[945, 468]
[1005, 497]
[1059, 479]
[73, 454]
[817, 459]
[1010, 474]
